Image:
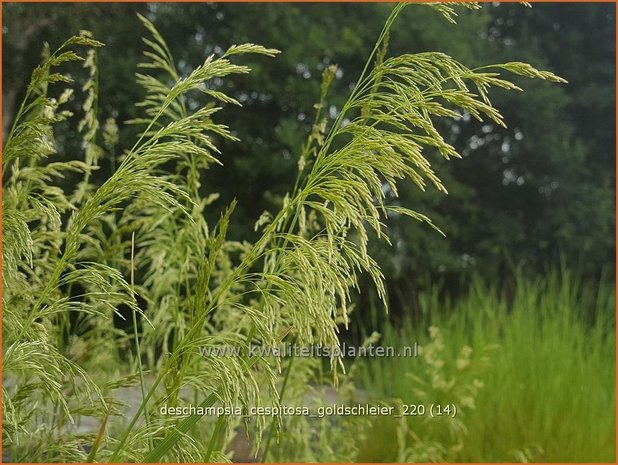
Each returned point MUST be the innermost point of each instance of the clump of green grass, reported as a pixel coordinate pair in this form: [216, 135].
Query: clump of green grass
[546, 373]
[76, 255]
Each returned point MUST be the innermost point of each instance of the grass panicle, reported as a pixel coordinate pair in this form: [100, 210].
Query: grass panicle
[67, 274]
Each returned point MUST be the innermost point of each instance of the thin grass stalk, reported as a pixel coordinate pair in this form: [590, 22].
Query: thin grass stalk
[138, 356]
[97, 442]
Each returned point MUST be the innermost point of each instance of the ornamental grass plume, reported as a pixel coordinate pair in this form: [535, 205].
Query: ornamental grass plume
[68, 255]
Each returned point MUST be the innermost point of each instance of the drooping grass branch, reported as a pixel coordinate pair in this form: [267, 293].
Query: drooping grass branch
[313, 276]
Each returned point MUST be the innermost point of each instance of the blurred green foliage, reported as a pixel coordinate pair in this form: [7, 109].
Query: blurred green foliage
[533, 376]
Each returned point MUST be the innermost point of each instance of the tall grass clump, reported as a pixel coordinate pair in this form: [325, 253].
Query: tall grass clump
[541, 364]
[75, 256]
